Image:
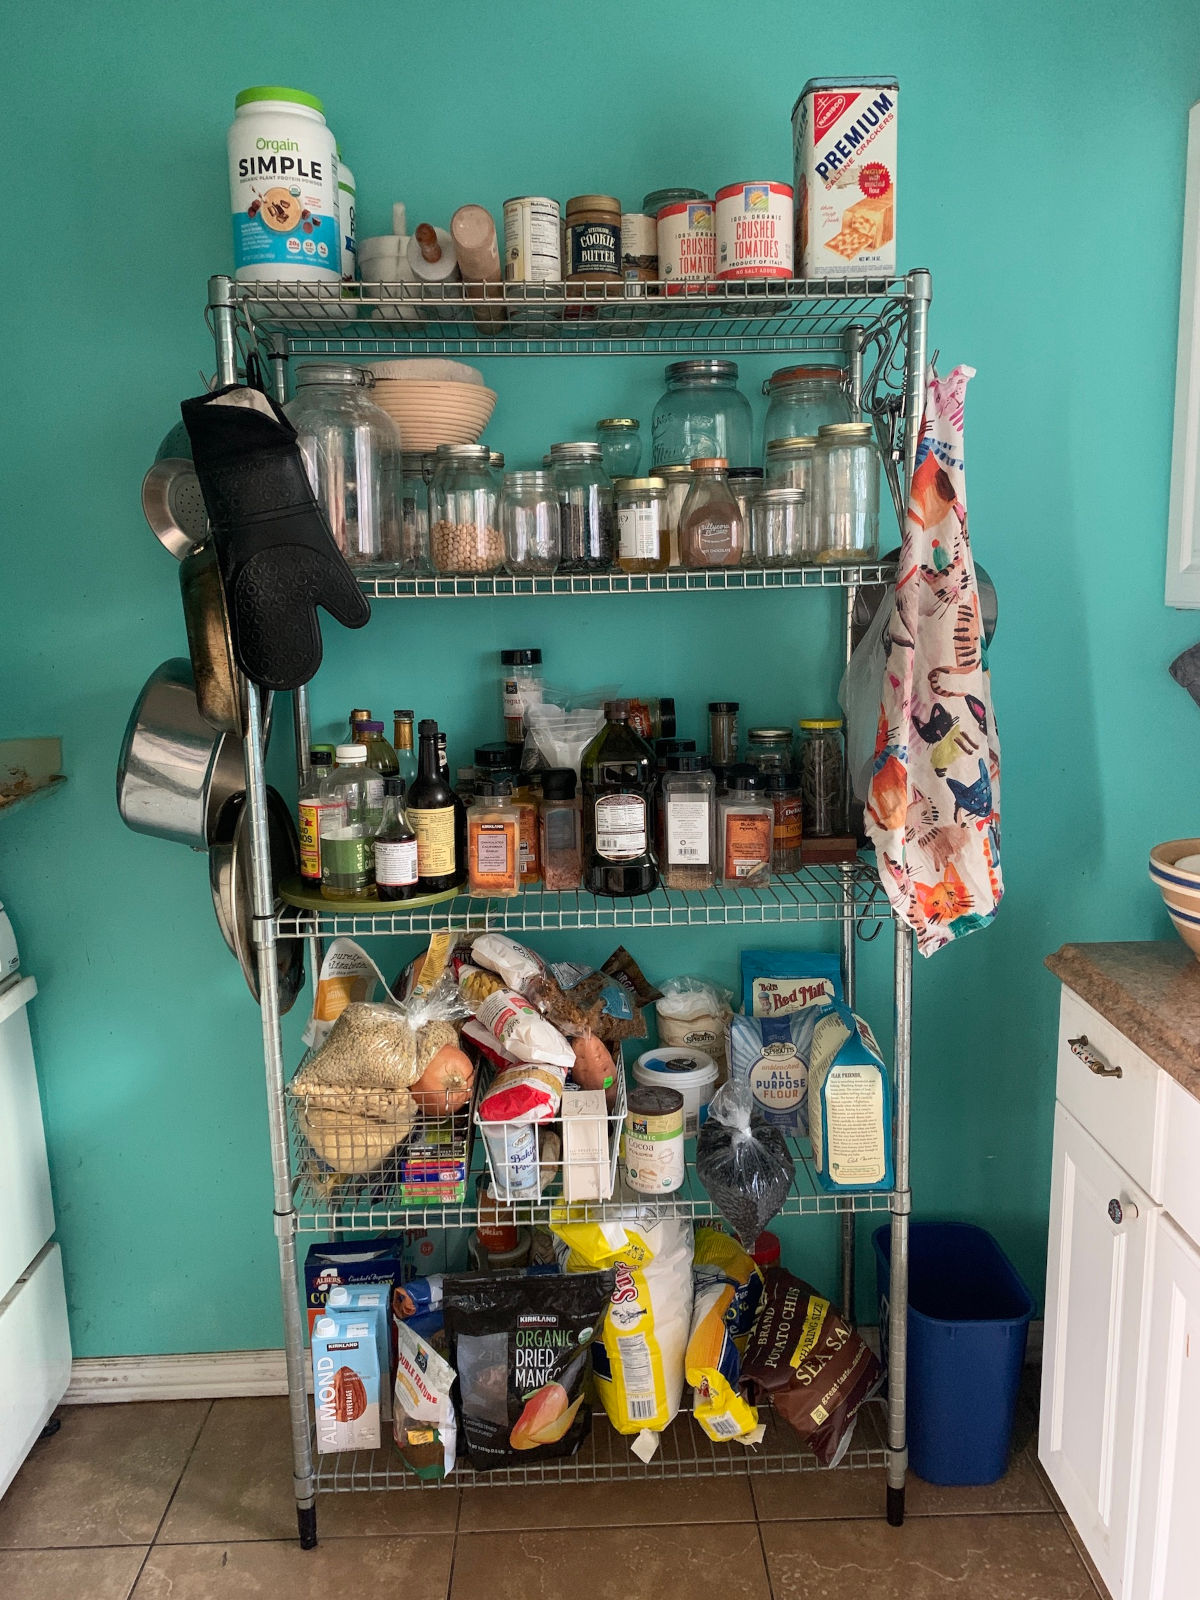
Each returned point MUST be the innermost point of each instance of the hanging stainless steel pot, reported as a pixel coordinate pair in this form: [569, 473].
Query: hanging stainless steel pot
[175, 774]
[218, 683]
[233, 894]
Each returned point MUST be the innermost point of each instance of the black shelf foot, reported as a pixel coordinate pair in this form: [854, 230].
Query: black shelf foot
[306, 1518]
[895, 1506]
[51, 1428]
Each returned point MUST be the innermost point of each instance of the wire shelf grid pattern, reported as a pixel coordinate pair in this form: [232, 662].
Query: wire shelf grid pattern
[384, 585]
[685, 1451]
[719, 317]
[380, 1201]
[826, 892]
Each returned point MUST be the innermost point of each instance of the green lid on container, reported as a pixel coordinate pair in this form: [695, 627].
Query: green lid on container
[274, 91]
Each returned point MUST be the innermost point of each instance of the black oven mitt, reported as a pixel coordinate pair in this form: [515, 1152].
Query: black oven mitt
[277, 557]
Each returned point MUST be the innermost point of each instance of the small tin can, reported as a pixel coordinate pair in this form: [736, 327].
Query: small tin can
[754, 230]
[532, 238]
[687, 245]
[639, 247]
[653, 1145]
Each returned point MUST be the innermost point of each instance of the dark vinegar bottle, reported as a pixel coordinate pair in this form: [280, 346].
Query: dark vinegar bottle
[618, 808]
[432, 811]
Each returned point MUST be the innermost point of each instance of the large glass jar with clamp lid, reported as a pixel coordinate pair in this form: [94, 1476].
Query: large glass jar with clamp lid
[702, 413]
[352, 453]
[801, 400]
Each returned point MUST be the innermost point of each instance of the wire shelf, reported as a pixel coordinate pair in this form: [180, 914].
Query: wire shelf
[399, 586]
[828, 892]
[719, 317]
[685, 1451]
[378, 1202]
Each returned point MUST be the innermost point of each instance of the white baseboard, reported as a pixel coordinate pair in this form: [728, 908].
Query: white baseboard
[216, 1375]
[228, 1374]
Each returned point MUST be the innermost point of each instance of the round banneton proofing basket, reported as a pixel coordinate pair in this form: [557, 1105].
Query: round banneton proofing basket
[433, 401]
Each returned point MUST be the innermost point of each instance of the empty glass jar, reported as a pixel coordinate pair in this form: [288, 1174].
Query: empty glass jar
[702, 413]
[529, 520]
[585, 506]
[620, 446]
[464, 532]
[351, 450]
[789, 463]
[800, 400]
[678, 480]
[416, 471]
[779, 530]
[846, 469]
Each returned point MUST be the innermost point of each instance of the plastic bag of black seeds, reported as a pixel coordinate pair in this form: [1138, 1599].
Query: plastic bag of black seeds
[743, 1162]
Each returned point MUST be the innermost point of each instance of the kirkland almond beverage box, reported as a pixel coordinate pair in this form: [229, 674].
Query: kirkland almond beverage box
[844, 144]
[346, 1383]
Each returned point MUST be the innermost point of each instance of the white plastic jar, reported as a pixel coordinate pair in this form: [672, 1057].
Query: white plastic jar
[283, 188]
[347, 222]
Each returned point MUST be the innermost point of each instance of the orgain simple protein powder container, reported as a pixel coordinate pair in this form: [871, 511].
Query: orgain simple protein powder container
[283, 188]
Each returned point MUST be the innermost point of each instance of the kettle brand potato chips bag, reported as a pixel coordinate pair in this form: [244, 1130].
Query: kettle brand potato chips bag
[809, 1362]
[521, 1347]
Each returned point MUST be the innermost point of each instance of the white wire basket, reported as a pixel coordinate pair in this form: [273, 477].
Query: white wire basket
[571, 1157]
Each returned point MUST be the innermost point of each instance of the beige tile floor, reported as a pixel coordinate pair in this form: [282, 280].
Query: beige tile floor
[191, 1501]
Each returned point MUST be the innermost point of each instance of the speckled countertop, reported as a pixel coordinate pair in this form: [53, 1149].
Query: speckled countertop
[1149, 991]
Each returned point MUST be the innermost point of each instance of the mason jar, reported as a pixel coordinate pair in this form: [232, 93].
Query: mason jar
[846, 471]
[416, 468]
[620, 446]
[779, 528]
[585, 506]
[822, 762]
[770, 749]
[464, 532]
[351, 450]
[529, 520]
[800, 400]
[678, 480]
[789, 463]
[744, 485]
[642, 538]
[702, 413]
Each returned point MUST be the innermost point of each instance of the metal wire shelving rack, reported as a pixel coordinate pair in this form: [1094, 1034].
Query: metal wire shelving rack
[880, 327]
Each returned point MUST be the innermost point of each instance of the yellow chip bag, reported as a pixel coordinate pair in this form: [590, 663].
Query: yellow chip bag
[727, 1286]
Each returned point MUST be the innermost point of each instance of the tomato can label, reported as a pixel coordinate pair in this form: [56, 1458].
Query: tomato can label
[754, 230]
[687, 243]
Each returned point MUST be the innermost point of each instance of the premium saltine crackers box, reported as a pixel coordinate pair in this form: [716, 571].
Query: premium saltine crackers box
[844, 145]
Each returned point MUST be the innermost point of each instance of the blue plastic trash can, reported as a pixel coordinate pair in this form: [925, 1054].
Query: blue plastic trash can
[968, 1317]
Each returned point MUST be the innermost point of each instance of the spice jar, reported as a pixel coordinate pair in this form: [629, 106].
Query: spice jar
[530, 522]
[641, 512]
[620, 446]
[770, 750]
[493, 841]
[464, 535]
[779, 528]
[689, 800]
[723, 732]
[678, 480]
[585, 506]
[846, 468]
[593, 239]
[559, 831]
[745, 831]
[527, 798]
[789, 463]
[521, 687]
[711, 531]
[653, 718]
[702, 413]
[802, 399]
[822, 762]
[787, 837]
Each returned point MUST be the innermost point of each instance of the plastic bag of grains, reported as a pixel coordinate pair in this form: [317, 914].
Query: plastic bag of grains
[743, 1162]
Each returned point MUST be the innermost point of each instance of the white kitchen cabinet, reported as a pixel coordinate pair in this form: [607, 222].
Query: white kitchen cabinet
[1100, 1223]
[1166, 1548]
[1121, 1361]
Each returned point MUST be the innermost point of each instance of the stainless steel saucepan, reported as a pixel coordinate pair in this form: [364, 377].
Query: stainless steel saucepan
[175, 774]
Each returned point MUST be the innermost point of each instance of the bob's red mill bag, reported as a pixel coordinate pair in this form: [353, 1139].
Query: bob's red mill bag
[808, 1362]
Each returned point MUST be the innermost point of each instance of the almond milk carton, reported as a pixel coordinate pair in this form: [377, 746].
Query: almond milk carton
[346, 1383]
[844, 143]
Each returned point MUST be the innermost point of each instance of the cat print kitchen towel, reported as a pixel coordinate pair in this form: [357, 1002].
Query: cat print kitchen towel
[933, 804]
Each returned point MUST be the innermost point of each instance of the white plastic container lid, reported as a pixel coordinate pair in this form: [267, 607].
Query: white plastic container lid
[692, 1072]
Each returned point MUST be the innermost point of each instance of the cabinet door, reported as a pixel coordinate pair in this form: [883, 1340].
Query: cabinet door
[1166, 1554]
[1095, 1281]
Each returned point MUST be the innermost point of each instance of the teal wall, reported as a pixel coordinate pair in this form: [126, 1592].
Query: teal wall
[1042, 177]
